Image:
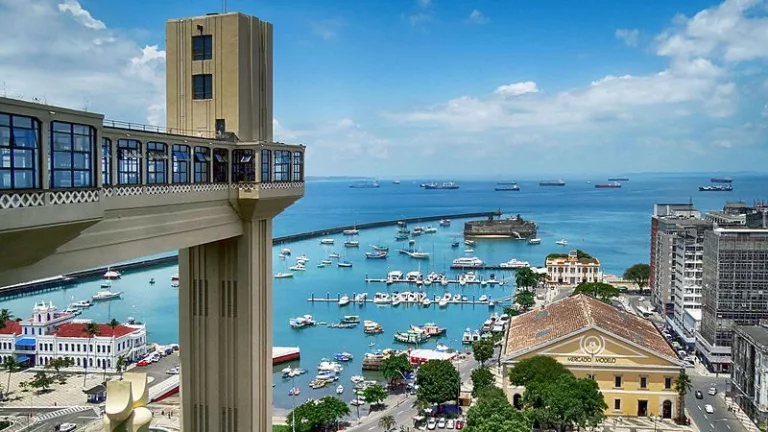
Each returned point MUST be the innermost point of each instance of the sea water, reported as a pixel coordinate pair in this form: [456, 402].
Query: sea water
[610, 224]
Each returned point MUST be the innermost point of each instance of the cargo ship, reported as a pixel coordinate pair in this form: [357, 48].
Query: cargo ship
[721, 180]
[365, 185]
[444, 185]
[552, 183]
[723, 188]
[507, 186]
[618, 179]
[612, 185]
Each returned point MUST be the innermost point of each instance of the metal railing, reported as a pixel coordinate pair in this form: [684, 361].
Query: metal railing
[117, 124]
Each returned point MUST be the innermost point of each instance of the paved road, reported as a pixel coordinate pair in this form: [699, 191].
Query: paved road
[721, 420]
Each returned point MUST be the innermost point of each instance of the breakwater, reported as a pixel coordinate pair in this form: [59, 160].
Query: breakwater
[55, 282]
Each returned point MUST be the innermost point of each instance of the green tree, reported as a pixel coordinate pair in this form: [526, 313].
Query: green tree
[525, 299]
[375, 395]
[394, 367]
[683, 385]
[482, 378]
[565, 402]
[599, 290]
[536, 369]
[638, 274]
[120, 365]
[438, 382]
[494, 413]
[5, 316]
[483, 350]
[317, 415]
[11, 365]
[91, 329]
[387, 423]
[579, 254]
[511, 312]
[113, 323]
[41, 381]
[526, 279]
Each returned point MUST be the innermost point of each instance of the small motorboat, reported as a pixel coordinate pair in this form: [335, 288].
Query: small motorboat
[340, 389]
[483, 298]
[152, 281]
[333, 255]
[351, 243]
[380, 248]
[351, 319]
[106, 295]
[107, 284]
[534, 241]
[396, 299]
[321, 265]
[286, 252]
[445, 222]
[303, 259]
[411, 242]
[80, 304]
[351, 232]
[455, 244]
[297, 267]
[343, 357]
[562, 242]
[327, 241]
[430, 230]
[357, 379]
[376, 255]
[466, 339]
[469, 251]
[283, 275]
[294, 391]
[344, 300]
[457, 298]
[112, 274]
[426, 302]
[345, 264]
[469, 242]
[326, 262]
[443, 301]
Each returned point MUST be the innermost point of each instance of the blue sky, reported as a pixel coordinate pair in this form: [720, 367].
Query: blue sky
[430, 88]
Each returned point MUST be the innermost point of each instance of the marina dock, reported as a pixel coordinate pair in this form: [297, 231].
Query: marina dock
[435, 299]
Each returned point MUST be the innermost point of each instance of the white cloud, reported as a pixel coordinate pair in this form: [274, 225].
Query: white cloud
[328, 28]
[477, 17]
[78, 63]
[81, 15]
[517, 89]
[424, 3]
[629, 36]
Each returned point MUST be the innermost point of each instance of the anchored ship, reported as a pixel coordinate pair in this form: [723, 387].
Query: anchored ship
[507, 186]
[444, 185]
[612, 185]
[721, 180]
[723, 188]
[552, 183]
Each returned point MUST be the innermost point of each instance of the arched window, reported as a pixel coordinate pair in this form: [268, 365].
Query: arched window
[282, 166]
[128, 166]
[71, 155]
[298, 166]
[266, 166]
[242, 166]
[157, 163]
[19, 152]
[220, 165]
[202, 164]
[180, 163]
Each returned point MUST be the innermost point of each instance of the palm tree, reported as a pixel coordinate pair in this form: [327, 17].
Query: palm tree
[5, 315]
[113, 323]
[11, 365]
[682, 386]
[120, 365]
[387, 422]
[91, 329]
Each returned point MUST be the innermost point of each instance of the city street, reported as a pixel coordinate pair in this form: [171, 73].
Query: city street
[721, 419]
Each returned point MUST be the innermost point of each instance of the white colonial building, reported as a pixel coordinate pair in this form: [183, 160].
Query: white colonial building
[572, 270]
[51, 334]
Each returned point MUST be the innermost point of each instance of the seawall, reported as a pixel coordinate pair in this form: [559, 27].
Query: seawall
[54, 283]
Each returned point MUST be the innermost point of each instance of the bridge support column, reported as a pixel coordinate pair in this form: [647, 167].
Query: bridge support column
[225, 327]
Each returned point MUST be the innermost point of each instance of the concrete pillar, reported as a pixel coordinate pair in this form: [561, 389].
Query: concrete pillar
[225, 314]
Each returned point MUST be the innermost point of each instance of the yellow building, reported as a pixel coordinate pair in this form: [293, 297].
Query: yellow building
[631, 361]
[572, 270]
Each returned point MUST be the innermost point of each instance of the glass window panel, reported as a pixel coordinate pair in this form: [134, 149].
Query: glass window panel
[5, 157]
[5, 120]
[5, 179]
[81, 129]
[82, 143]
[23, 122]
[23, 179]
[23, 159]
[62, 160]
[25, 137]
[62, 141]
[82, 161]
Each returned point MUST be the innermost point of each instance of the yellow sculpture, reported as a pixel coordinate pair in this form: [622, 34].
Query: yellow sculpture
[126, 408]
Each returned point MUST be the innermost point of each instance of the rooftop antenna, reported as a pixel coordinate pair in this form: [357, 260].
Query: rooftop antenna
[225, 6]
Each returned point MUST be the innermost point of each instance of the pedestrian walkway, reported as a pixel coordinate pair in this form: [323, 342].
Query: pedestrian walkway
[61, 412]
[740, 414]
[638, 424]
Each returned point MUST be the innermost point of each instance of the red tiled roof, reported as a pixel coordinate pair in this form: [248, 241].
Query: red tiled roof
[78, 330]
[572, 314]
[11, 328]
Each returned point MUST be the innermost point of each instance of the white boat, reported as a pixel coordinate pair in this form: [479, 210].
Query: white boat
[106, 284]
[81, 304]
[382, 298]
[302, 259]
[426, 302]
[351, 243]
[344, 300]
[469, 242]
[302, 322]
[417, 231]
[562, 242]
[175, 284]
[321, 265]
[394, 276]
[351, 232]
[419, 255]
[345, 264]
[340, 389]
[333, 255]
[326, 262]
[467, 262]
[475, 335]
[483, 298]
[411, 242]
[112, 274]
[457, 298]
[286, 252]
[327, 241]
[329, 366]
[361, 298]
[413, 276]
[72, 311]
[396, 299]
[430, 230]
[297, 267]
[283, 275]
[106, 295]
[534, 241]
[514, 264]
[443, 301]
[466, 339]
[356, 379]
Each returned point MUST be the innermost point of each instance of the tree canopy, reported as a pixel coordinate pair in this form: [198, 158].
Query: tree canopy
[375, 394]
[525, 278]
[5, 315]
[394, 367]
[438, 382]
[482, 378]
[537, 368]
[494, 413]
[41, 381]
[483, 350]
[565, 402]
[317, 415]
[525, 299]
[638, 274]
[511, 312]
[599, 290]
[579, 254]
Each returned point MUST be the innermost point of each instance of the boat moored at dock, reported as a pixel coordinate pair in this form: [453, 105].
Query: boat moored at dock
[467, 262]
[724, 188]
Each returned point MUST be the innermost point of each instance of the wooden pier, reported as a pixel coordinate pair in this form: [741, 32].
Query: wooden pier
[329, 299]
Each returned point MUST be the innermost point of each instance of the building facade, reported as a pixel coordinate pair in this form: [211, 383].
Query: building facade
[631, 361]
[572, 270]
[735, 290]
[51, 334]
[749, 377]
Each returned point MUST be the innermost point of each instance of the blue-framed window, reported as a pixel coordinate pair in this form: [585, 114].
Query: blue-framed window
[243, 166]
[298, 166]
[128, 161]
[106, 161]
[202, 47]
[180, 163]
[157, 163]
[266, 166]
[220, 165]
[282, 166]
[202, 165]
[19, 152]
[202, 86]
[71, 161]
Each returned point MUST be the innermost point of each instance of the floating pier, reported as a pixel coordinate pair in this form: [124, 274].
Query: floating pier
[435, 299]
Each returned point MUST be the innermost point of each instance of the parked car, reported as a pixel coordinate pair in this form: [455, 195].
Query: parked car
[708, 408]
[712, 391]
[142, 363]
[66, 427]
[450, 424]
[431, 423]
[441, 423]
[459, 424]
[699, 394]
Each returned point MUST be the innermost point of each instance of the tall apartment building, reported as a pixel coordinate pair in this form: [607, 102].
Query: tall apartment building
[749, 378]
[219, 76]
[735, 290]
[664, 228]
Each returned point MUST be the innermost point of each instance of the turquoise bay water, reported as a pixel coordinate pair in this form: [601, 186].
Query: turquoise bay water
[612, 225]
